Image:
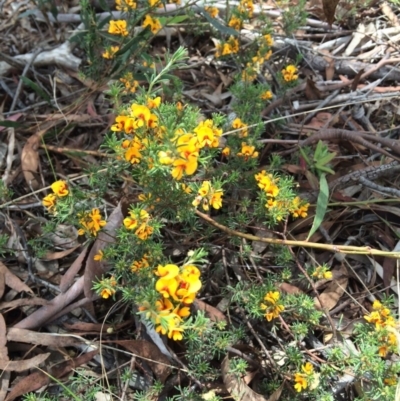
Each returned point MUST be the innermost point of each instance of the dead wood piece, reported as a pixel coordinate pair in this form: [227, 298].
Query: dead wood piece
[61, 56]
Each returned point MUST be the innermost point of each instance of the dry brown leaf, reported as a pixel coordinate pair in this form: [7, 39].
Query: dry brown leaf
[3, 340]
[212, 313]
[290, 289]
[30, 160]
[37, 380]
[16, 303]
[236, 386]
[68, 278]
[59, 255]
[20, 366]
[86, 328]
[329, 7]
[159, 363]
[46, 339]
[332, 293]
[13, 281]
[311, 91]
[95, 269]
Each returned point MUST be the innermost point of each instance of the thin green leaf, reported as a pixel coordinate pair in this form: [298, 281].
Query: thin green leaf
[39, 91]
[10, 124]
[177, 19]
[322, 205]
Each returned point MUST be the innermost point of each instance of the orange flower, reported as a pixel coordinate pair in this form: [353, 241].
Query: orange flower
[60, 188]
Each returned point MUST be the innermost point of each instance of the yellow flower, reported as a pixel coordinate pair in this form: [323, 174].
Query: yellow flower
[186, 189]
[118, 27]
[272, 297]
[301, 382]
[167, 288]
[237, 123]
[125, 5]
[109, 53]
[216, 199]
[143, 116]
[154, 3]
[107, 293]
[308, 368]
[226, 151]
[99, 256]
[60, 188]
[298, 209]
[268, 39]
[153, 103]
[91, 222]
[248, 152]
[376, 305]
[213, 11]
[290, 73]
[165, 157]
[168, 271]
[266, 95]
[49, 202]
[235, 23]
[205, 188]
[187, 164]
[153, 23]
[144, 231]
[246, 6]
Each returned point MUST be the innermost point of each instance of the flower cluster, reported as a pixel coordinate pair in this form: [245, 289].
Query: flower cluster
[130, 83]
[296, 207]
[268, 184]
[60, 189]
[231, 46]
[118, 27]
[237, 123]
[235, 23]
[248, 152]
[110, 52]
[303, 380]
[140, 264]
[380, 316]
[125, 5]
[184, 158]
[213, 11]
[271, 305]
[153, 23]
[322, 272]
[289, 73]
[208, 195]
[246, 7]
[263, 54]
[138, 220]
[91, 222]
[384, 322]
[266, 95]
[178, 288]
